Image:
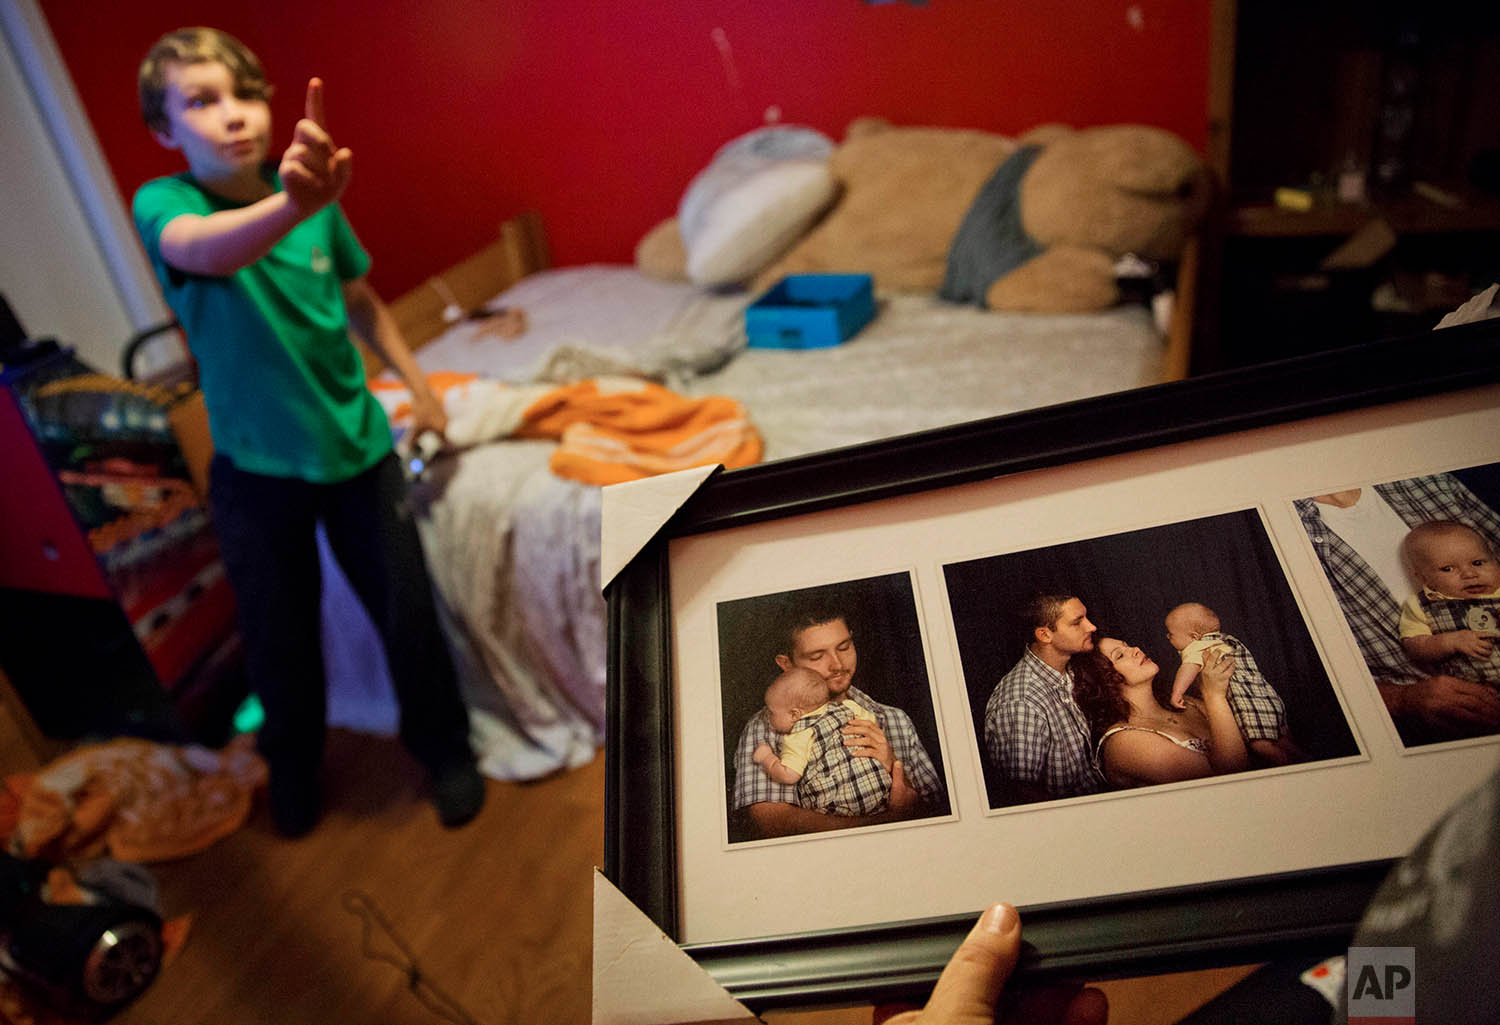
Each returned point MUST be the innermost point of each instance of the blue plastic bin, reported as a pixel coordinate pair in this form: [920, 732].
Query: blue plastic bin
[810, 311]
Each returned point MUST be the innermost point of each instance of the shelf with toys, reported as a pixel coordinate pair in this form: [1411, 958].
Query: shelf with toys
[119, 617]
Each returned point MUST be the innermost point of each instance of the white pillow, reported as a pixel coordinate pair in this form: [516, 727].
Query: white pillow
[758, 196]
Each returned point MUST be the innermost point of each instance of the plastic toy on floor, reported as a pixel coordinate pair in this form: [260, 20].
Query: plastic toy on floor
[83, 950]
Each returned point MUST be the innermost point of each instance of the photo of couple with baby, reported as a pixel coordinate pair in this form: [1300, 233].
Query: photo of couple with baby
[1147, 657]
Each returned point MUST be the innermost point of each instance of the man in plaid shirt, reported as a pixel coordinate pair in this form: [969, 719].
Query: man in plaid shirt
[1426, 707]
[818, 638]
[1034, 733]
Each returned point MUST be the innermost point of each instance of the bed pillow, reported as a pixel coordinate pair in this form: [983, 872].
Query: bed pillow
[760, 193]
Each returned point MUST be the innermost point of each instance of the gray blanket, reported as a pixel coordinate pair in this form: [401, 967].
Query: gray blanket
[991, 242]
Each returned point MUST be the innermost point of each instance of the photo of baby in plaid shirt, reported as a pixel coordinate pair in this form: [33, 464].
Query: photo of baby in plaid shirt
[811, 755]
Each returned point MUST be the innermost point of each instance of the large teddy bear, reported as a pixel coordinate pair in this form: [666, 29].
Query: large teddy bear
[1031, 224]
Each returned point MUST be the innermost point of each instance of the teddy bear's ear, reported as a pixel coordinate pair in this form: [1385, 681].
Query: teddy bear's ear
[660, 253]
[862, 126]
[1045, 134]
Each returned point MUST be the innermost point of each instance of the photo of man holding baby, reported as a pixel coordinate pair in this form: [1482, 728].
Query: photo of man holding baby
[829, 719]
[1412, 565]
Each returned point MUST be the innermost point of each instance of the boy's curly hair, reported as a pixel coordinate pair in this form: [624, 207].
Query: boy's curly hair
[194, 46]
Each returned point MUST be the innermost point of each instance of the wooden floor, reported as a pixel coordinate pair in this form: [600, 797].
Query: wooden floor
[498, 915]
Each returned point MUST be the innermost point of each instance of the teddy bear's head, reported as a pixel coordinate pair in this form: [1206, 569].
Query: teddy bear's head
[1034, 224]
[1119, 188]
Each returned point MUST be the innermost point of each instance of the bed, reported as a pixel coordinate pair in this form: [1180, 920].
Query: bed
[514, 549]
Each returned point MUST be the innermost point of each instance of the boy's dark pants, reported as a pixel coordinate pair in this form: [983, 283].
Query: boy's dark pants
[266, 528]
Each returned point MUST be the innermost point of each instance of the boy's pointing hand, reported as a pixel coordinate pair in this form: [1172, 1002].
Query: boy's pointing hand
[313, 171]
[313, 107]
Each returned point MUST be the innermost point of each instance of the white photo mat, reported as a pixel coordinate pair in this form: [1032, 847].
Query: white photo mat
[1368, 807]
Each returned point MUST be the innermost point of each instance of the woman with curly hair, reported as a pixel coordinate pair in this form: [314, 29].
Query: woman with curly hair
[1139, 741]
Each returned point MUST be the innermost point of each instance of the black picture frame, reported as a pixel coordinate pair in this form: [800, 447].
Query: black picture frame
[1233, 922]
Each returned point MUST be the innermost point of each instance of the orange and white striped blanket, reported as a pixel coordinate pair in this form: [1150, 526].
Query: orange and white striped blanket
[609, 429]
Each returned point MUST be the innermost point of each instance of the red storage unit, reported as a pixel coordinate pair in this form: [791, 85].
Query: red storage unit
[116, 614]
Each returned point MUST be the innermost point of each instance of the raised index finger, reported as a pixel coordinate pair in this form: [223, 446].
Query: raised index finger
[313, 109]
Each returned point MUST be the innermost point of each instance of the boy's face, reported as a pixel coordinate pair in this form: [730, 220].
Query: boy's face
[797, 692]
[221, 131]
[1458, 563]
[783, 717]
[1179, 632]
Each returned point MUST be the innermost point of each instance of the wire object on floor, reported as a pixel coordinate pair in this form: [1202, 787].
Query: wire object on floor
[432, 996]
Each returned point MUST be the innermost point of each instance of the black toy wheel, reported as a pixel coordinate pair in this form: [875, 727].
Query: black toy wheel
[122, 963]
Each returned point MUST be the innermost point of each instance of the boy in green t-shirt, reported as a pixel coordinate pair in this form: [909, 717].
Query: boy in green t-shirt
[267, 279]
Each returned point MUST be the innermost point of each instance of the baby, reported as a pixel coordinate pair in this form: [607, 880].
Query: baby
[1193, 629]
[1452, 618]
[813, 756]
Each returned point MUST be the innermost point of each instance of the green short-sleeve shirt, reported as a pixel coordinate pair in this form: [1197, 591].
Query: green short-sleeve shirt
[282, 380]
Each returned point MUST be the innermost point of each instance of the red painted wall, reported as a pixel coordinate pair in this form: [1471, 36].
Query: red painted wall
[462, 112]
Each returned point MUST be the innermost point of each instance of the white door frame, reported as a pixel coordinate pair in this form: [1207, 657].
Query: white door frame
[94, 189]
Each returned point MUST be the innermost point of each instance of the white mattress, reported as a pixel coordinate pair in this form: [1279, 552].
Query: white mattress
[513, 551]
[925, 363]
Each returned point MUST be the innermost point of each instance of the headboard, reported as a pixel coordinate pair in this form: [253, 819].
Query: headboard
[520, 250]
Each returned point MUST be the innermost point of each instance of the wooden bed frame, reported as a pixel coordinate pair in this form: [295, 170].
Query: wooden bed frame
[522, 250]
